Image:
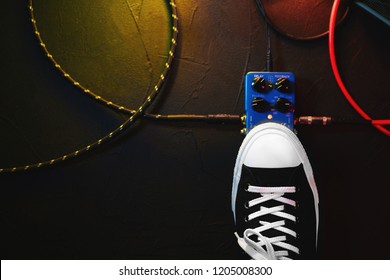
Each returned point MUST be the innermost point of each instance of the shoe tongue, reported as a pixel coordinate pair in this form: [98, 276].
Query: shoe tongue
[270, 177]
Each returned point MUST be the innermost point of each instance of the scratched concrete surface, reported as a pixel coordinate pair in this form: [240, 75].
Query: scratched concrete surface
[162, 190]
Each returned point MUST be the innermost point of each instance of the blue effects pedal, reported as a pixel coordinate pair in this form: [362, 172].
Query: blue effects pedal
[269, 97]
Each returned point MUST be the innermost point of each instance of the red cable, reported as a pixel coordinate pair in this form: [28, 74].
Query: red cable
[332, 24]
[381, 122]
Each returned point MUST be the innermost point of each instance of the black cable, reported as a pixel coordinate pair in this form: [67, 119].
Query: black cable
[269, 63]
[210, 118]
[240, 119]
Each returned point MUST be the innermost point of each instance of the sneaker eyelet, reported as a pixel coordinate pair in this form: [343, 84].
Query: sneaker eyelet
[246, 189]
[246, 219]
[246, 205]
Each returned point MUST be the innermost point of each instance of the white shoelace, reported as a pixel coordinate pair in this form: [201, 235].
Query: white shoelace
[263, 249]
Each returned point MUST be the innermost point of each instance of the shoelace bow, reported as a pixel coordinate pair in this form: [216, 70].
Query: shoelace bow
[263, 247]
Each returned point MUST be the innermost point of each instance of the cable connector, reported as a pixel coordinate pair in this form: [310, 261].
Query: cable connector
[309, 120]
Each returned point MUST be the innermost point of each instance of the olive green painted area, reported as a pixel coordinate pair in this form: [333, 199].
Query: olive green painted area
[117, 49]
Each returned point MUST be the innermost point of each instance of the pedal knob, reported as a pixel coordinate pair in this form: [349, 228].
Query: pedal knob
[283, 85]
[284, 105]
[261, 105]
[259, 84]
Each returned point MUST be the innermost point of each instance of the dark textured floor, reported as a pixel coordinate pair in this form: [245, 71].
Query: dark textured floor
[162, 190]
